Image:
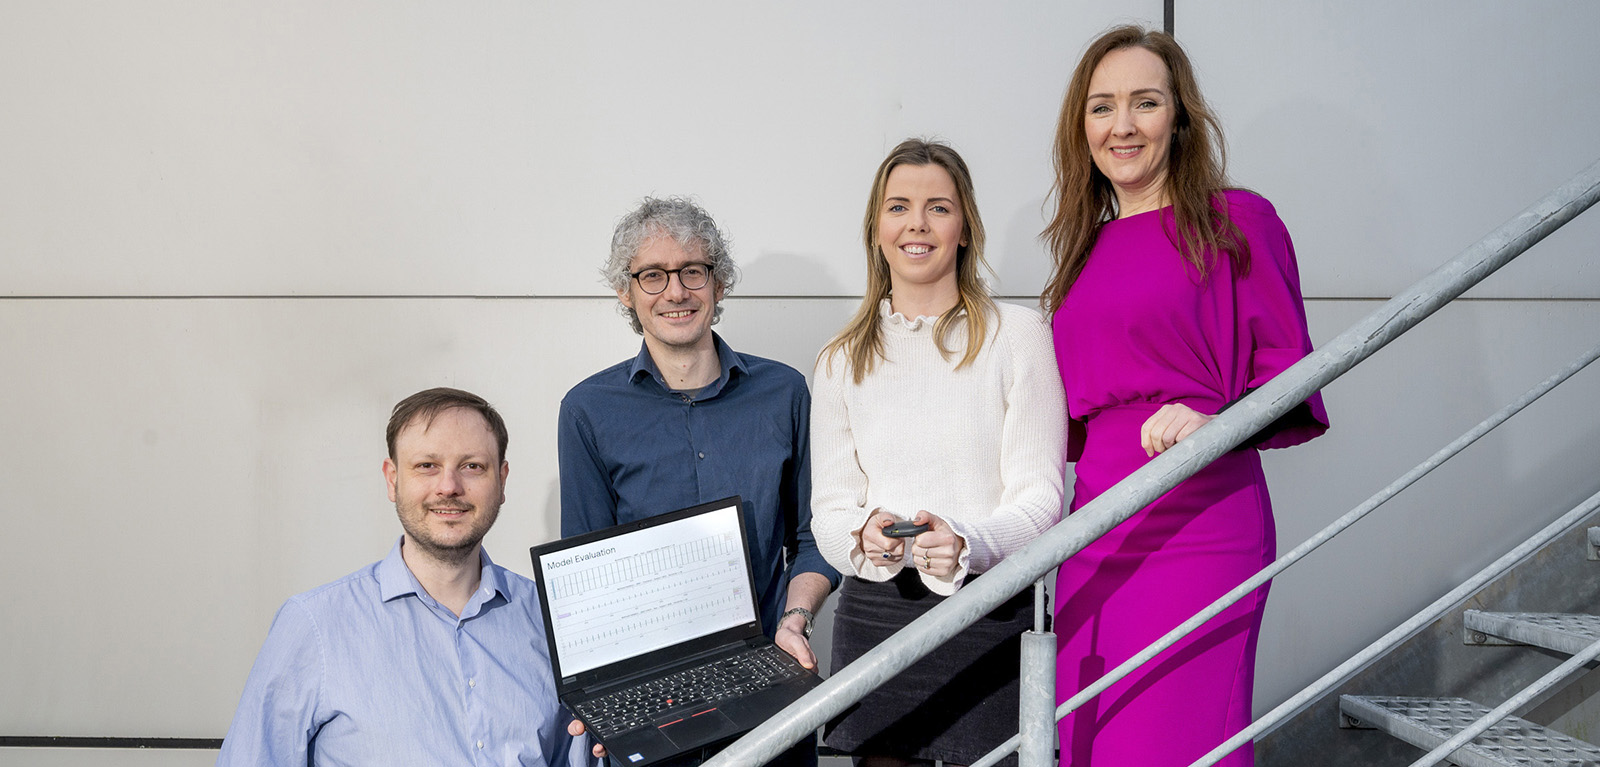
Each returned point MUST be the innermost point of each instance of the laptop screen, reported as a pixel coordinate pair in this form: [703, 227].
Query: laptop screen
[639, 591]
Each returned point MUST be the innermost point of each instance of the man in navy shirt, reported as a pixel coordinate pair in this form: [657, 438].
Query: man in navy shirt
[689, 420]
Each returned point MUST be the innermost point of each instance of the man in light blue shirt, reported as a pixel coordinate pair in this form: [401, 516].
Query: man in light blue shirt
[433, 656]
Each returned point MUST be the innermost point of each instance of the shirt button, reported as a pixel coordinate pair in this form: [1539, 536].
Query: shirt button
[480, 745]
[702, 455]
[472, 683]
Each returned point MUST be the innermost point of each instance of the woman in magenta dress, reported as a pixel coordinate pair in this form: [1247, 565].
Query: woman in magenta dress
[1172, 296]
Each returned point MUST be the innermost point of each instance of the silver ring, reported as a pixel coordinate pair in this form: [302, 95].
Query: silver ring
[885, 555]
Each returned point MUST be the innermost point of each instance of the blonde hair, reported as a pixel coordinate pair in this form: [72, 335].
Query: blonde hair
[861, 340]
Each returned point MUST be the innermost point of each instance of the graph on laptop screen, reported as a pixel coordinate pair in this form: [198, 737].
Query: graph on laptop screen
[642, 591]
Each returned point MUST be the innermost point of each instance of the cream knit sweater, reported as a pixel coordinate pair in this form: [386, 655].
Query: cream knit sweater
[980, 447]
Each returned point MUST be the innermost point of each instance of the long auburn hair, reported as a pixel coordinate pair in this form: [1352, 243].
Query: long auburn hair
[1085, 199]
[861, 340]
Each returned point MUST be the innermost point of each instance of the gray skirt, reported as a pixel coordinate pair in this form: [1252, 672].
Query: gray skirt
[956, 704]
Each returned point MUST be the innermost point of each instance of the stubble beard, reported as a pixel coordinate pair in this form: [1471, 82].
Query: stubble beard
[445, 553]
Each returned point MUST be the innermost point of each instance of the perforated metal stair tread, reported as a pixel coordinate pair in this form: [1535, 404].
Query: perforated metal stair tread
[1568, 633]
[1428, 722]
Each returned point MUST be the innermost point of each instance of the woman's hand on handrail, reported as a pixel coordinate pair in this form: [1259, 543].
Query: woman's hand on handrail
[1170, 425]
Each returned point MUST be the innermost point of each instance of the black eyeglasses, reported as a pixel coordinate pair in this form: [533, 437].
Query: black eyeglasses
[691, 277]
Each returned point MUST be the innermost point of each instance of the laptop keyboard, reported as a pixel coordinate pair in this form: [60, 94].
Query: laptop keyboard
[737, 675]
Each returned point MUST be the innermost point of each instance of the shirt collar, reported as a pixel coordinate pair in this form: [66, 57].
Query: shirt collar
[492, 579]
[396, 580]
[889, 317]
[645, 365]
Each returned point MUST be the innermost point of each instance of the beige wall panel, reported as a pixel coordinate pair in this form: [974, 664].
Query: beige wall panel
[364, 148]
[194, 462]
[110, 757]
[200, 461]
[1392, 135]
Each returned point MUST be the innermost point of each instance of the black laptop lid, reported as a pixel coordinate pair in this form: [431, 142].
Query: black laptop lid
[643, 595]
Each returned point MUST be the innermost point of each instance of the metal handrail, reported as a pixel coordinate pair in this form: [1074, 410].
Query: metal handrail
[1164, 472]
[1309, 545]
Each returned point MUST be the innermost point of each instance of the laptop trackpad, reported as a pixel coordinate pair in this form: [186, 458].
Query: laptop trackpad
[699, 729]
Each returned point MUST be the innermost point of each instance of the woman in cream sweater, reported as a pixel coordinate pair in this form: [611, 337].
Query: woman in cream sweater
[939, 407]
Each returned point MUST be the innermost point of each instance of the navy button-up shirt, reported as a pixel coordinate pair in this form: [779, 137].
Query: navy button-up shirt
[631, 448]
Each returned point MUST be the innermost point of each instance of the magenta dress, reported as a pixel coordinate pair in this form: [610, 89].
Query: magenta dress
[1140, 329]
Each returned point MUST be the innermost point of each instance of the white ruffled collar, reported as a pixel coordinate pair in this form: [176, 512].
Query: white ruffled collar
[892, 318]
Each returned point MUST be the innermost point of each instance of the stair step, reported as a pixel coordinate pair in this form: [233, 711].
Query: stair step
[1566, 633]
[1428, 722]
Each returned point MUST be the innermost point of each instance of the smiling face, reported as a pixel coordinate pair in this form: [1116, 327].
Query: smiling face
[1129, 120]
[447, 483]
[920, 231]
[675, 318]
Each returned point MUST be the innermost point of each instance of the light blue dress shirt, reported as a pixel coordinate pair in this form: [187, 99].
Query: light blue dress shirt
[370, 670]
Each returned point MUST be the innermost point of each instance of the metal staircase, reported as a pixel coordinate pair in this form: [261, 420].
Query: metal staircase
[1440, 725]
[1429, 722]
[1567, 633]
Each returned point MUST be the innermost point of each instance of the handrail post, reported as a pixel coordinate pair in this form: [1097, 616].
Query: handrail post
[1036, 715]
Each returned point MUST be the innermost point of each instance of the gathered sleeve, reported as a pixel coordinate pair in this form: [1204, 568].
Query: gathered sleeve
[1032, 452]
[1272, 319]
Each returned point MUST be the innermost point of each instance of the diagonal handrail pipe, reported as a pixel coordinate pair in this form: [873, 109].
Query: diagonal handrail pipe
[1165, 471]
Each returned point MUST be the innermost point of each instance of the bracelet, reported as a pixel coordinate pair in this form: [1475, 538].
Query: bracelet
[804, 613]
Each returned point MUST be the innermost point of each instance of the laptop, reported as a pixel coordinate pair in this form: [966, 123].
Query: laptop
[655, 635]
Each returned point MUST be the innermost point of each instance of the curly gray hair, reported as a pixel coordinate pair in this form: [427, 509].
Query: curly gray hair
[688, 225]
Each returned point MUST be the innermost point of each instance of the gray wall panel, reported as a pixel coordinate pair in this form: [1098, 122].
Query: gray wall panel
[205, 459]
[1392, 135]
[362, 149]
[82, 757]
[200, 481]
